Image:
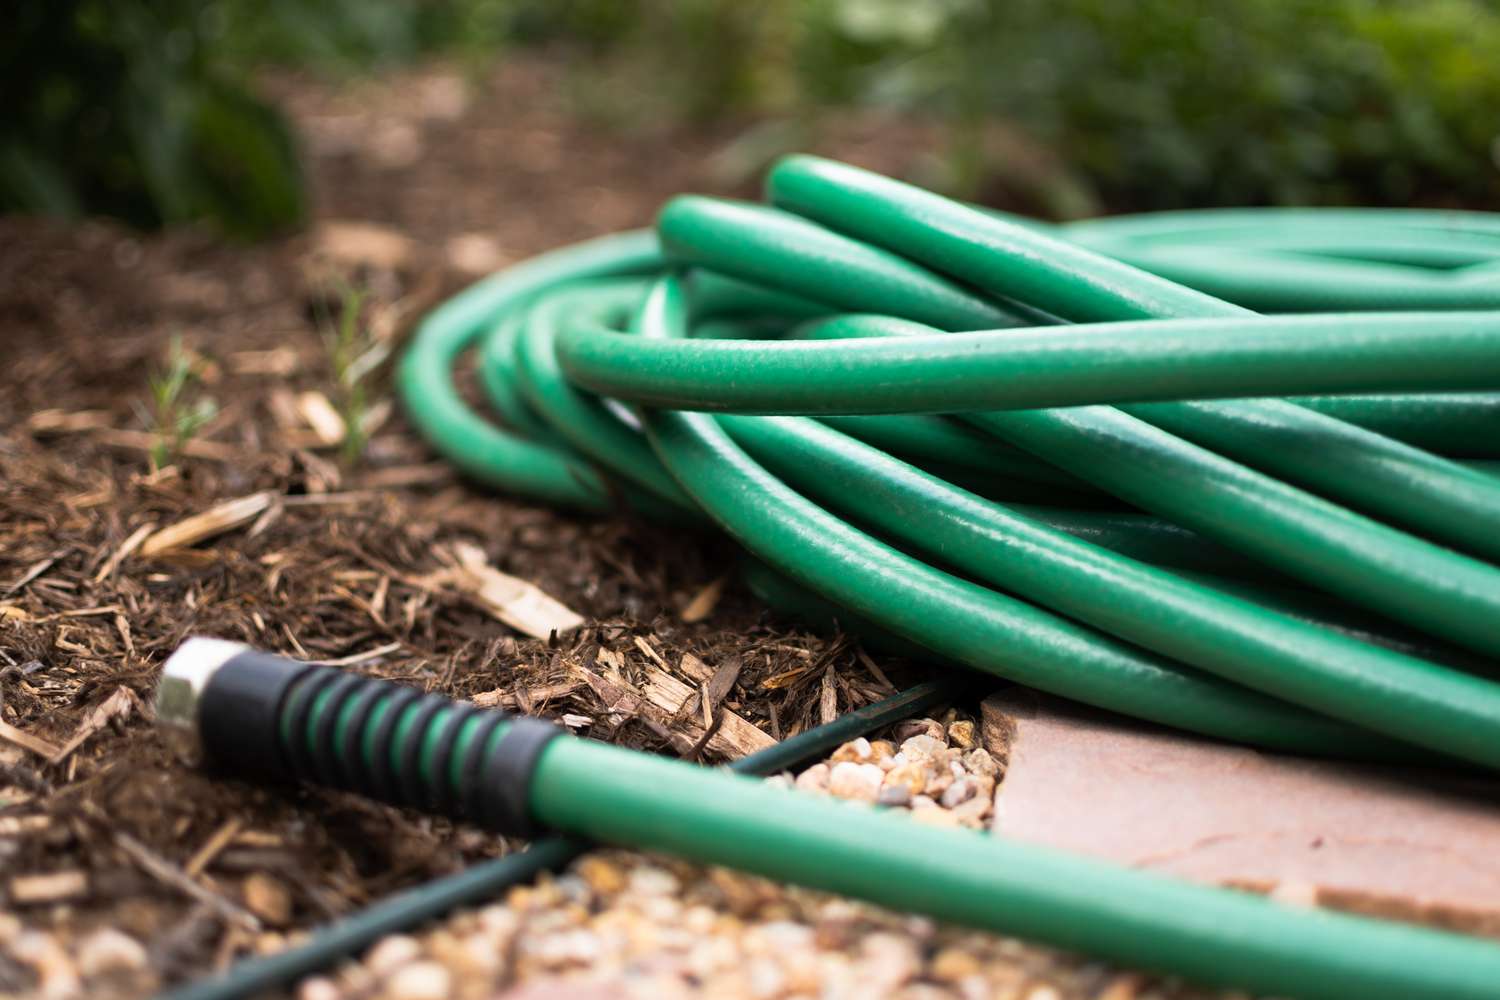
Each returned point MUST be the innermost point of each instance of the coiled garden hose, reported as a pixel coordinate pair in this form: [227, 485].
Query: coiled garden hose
[895, 371]
[1231, 472]
[278, 717]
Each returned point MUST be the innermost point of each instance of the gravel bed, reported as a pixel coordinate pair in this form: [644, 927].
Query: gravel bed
[621, 923]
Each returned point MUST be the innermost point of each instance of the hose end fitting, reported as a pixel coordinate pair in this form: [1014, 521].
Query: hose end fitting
[179, 694]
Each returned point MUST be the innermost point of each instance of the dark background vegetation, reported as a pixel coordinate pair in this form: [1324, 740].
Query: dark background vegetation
[147, 109]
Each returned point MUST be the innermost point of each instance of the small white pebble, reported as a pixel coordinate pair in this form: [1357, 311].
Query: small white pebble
[1043, 991]
[109, 950]
[420, 981]
[959, 792]
[392, 953]
[649, 880]
[498, 922]
[54, 969]
[318, 988]
[814, 779]
[922, 747]
[849, 780]
[856, 750]
[981, 761]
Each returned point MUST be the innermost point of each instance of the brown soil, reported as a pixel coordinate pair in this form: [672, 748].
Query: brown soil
[117, 825]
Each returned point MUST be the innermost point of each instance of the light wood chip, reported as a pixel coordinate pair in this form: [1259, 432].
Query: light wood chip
[126, 549]
[703, 603]
[52, 887]
[737, 736]
[518, 603]
[121, 702]
[644, 645]
[214, 521]
[26, 741]
[318, 413]
[695, 668]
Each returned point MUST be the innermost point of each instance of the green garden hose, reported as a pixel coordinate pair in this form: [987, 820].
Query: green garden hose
[1231, 471]
[292, 720]
[489, 879]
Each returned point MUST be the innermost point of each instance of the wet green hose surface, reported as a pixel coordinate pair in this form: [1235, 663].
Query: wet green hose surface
[1230, 472]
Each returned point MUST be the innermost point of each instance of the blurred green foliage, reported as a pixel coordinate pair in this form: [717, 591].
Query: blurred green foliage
[141, 109]
[1147, 103]
[120, 107]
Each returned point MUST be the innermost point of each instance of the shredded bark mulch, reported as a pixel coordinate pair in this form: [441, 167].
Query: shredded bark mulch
[422, 182]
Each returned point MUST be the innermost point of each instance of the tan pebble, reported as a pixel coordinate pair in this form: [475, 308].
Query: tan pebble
[848, 780]
[269, 943]
[10, 926]
[803, 972]
[498, 923]
[858, 751]
[765, 978]
[574, 890]
[478, 959]
[932, 991]
[973, 811]
[814, 779]
[419, 981]
[651, 880]
[453, 951]
[268, 898]
[949, 759]
[959, 792]
[740, 893]
[1042, 991]
[1126, 986]
[935, 817]
[895, 796]
[882, 750]
[923, 803]
[918, 927]
[888, 961]
[662, 909]
[54, 970]
[356, 979]
[700, 919]
[391, 953]
[912, 776]
[953, 964]
[779, 910]
[938, 783]
[922, 747]
[580, 947]
[782, 936]
[319, 988]
[109, 950]
[602, 875]
[961, 734]
[923, 727]
[545, 892]
[980, 761]
[464, 922]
